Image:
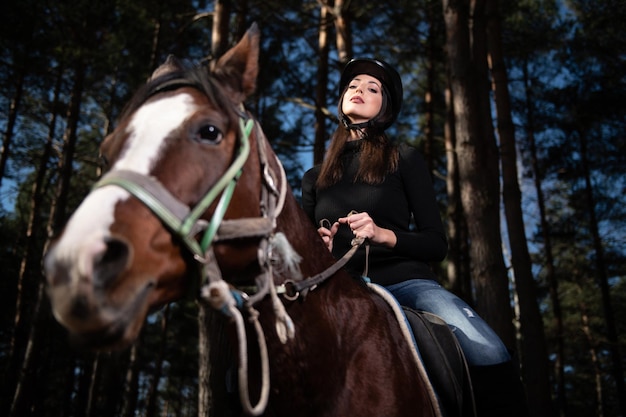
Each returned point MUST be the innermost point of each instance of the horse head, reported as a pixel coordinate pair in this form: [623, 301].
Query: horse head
[178, 164]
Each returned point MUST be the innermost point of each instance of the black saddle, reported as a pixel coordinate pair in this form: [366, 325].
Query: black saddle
[444, 362]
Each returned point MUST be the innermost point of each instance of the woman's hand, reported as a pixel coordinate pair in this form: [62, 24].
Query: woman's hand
[363, 226]
[328, 234]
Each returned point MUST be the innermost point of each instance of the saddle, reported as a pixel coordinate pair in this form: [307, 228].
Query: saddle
[439, 356]
[444, 362]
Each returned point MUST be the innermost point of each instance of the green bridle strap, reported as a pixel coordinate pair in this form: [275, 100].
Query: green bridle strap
[226, 183]
[151, 193]
[177, 216]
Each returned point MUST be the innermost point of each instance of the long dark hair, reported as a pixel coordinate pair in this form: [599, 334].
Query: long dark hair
[378, 156]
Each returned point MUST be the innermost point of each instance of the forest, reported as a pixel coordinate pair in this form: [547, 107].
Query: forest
[519, 108]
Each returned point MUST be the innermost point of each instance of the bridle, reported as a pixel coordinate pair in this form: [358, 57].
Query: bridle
[186, 223]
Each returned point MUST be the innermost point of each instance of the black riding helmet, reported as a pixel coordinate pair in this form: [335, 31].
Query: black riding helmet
[383, 72]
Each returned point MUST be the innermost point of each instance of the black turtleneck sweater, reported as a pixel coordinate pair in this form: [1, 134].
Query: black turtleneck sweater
[404, 195]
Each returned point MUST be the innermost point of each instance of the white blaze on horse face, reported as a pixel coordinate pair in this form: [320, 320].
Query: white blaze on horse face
[84, 234]
[149, 128]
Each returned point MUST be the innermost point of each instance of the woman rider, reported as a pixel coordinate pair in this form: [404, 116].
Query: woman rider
[388, 189]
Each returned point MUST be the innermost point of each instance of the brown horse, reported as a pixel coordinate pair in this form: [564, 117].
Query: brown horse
[194, 196]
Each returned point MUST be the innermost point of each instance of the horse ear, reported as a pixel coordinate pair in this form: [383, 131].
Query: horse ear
[238, 67]
[171, 64]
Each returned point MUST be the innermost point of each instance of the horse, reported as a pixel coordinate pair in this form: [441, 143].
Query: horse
[193, 199]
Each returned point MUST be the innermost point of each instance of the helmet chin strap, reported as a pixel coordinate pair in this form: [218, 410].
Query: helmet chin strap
[357, 126]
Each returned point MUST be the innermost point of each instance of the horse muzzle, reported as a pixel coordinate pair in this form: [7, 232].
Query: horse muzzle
[80, 285]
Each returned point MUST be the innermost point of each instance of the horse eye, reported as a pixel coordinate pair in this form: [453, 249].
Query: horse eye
[209, 133]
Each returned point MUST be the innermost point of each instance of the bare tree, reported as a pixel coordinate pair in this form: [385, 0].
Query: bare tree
[30, 253]
[131, 383]
[153, 391]
[205, 398]
[344, 33]
[12, 117]
[459, 281]
[601, 275]
[34, 290]
[477, 157]
[534, 350]
[593, 355]
[319, 145]
[547, 250]
[331, 12]
[221, 20]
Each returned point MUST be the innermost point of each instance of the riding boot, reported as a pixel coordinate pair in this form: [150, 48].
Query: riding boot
[498, 391]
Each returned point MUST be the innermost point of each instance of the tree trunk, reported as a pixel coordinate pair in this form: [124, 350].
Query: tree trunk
[429, 108]
[85, 383]
[547, 249]
[204, 364]
[94, 371]
[153, 391]
[319, 145]
[241, 20]
[155, 45]
[457, 268]
[593, 355]
[58, 210]
[131, 383]
[478, 164]
[28, 258]
[602, 281]
[490, 277]
[26, 387]
[34, 291]
[534, 357]
[11, 119]
[219, 36]
[343, 31]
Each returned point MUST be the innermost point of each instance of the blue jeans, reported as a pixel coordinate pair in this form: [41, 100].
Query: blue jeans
[481, 345]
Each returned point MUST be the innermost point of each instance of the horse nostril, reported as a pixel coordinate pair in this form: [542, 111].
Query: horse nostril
[111, 262]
